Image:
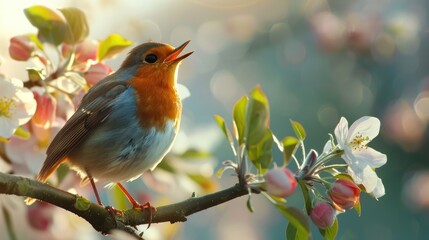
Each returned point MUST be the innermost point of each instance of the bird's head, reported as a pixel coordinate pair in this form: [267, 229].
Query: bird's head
[156, 61]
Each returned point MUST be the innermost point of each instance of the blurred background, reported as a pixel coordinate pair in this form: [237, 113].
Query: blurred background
[317, 60]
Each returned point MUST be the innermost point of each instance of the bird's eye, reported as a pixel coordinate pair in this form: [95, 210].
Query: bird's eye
[150, 58]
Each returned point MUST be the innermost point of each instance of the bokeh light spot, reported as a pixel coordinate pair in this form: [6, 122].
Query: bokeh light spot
[328, 116]
[421, 105]
[211, 37]
[225, 87]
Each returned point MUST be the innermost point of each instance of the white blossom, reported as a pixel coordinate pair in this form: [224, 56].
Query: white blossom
[17, 105]
[361, 159]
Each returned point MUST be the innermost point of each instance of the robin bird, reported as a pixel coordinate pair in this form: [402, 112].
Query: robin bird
[126, 123]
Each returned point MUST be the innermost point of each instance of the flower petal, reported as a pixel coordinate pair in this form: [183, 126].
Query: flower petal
[24, 111]
[183, 91]
[341, 132]
[17, 82]
[370, 156]
[7, 89]
[348, 157]
[379, 189]
[365, 126]
[7, 127]
[365, 176]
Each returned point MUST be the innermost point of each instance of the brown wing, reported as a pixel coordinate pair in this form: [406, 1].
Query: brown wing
[93, 110]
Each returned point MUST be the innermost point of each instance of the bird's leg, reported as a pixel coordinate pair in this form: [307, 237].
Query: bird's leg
[137, 205]
[132, 200]
[111, 209]
[97, 196]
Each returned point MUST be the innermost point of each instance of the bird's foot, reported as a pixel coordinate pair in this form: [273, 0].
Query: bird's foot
[146, 206]
[114, 211]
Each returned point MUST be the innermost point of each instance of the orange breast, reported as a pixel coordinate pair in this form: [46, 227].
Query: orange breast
[157, 102]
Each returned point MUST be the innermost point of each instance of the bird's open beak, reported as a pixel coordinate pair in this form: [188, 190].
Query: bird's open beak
[174, 56]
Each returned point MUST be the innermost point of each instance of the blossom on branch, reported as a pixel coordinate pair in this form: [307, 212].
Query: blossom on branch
[344, 193]
[280, 182]
[46, 108]
[96, 72]
[360, 158]
[21, 48]
[17, 105]
[323, 215]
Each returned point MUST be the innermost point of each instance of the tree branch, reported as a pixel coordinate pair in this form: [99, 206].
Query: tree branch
[103, 220]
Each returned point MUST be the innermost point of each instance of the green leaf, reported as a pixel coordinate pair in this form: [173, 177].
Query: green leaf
[357, 208]
[239, 113]
[290, 145]
[81, 203]
[51, 24]
[195, 154]
[166, 166]
[343, 176]
[275, 199]
[118, 197]
[22, 133]
[221, 122]
[62, 171]
[261, 154]
[306, 195]
[249, 205]
[296, 218]
[298, 129]
[206, 183]
[292, 233]
[34, 74]
[35, 40]
[259, 95]
[78, 28]
[257, 116]
[111, 46]
[331, 232]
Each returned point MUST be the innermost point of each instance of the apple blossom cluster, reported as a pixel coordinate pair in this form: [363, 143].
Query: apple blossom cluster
[349, 180]
[331, 182]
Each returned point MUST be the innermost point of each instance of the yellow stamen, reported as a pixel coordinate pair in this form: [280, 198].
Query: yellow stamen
[6, 107]
[359, 142]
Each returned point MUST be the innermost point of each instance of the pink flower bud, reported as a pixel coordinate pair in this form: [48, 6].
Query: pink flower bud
[344, 193]
[323, 215]
[40, 215]
[21, 47]
[280, 182]
[97, 72]
[46, 109]
[86, 50]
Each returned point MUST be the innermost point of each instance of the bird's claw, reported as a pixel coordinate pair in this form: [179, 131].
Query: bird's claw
[114, 211]
[145, 206]
[149, 207]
